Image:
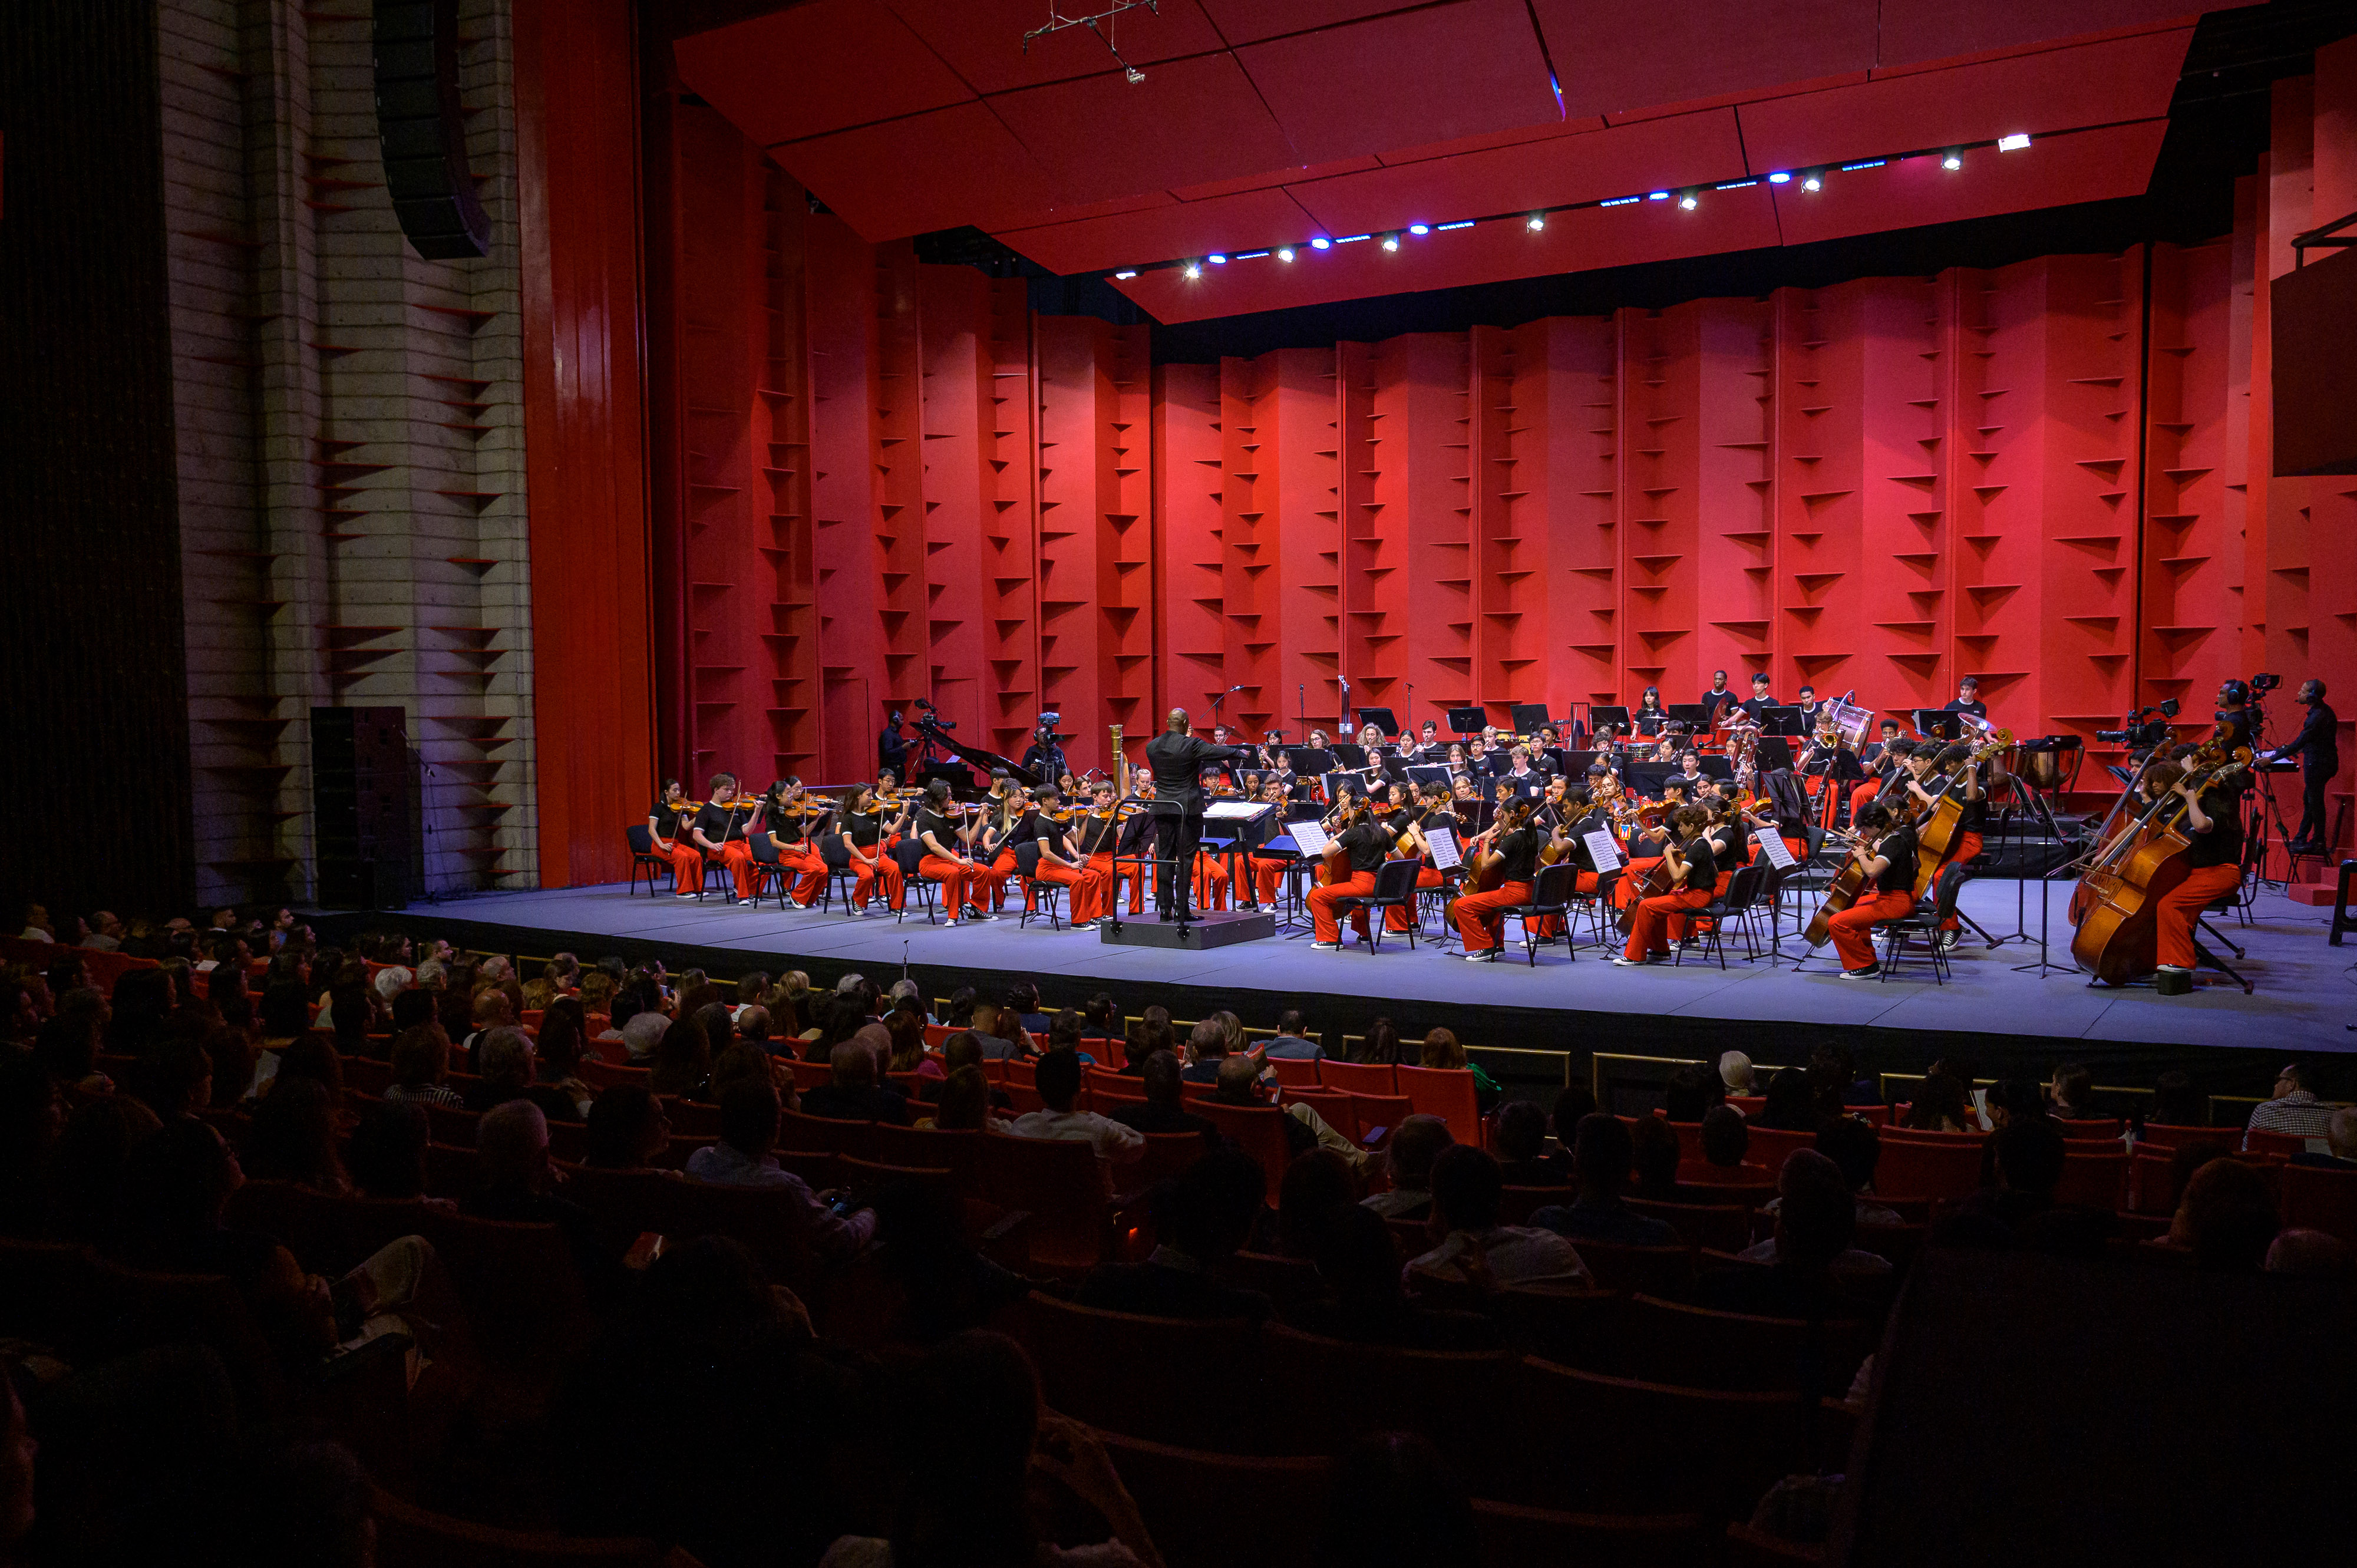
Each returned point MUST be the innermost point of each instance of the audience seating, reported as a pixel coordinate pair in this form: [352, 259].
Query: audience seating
[1588, 1441]
[2164, 1135]
[1770, 1146]
[1224, 1510]
[1326, 1394]
[1566, 1323]
[2106, 1127]
[1280, 1279]
[1666, 1341]
[1660, 1271]
[1517, 1203]
[1723, 1227]
[1375, 1112]
[1358, 1078]
[1167, 1155]
[1515, 1535]
[411, 1537]
[1059, 1184]
[1337, 1110]
[1258, 1130]
[925, 1148]
[1919, 1167]
[1448, 1093]
[1295, 1072]
[2259, 1141]
[1168, 1380]
[2322, 1199]
[2094, 1181]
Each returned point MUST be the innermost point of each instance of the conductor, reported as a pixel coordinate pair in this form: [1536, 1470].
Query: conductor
[1177, 758]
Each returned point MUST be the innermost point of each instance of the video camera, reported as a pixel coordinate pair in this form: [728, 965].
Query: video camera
[2143, 731]
[2266, 683]
[929, 714]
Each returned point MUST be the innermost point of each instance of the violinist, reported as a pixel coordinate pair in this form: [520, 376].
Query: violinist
[721, 830]
[863, 840]
[1410, 830]
[1730, 851]
[1094, 837]
[2213, 861]
[1665, 748]
[1649, 716]
[990, 839]
[1883, 847]
[1514, 855]
[1647, 846]
[945, 859]
[1694, 875]
[666, 825]
[789, 820]
[1352, 857]
[1059, 863]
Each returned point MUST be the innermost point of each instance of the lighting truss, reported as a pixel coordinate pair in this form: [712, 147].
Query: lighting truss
[1057, 23]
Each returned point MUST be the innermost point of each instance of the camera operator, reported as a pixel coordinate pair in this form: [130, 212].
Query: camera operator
[2318, 746]
[2236, 722]
[1044, 756]
[891, 750]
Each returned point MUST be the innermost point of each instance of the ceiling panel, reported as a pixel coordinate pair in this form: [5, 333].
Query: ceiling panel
[925, 172]
[1613, 57]
[1188, 121]
[1444, 71]
[1571, 242]
[816, 68]
[1918, 30]
[1245, 222]
[1614, 162]
[2088, 165]
[982, 40]
[1539, 133]
[2087, 84]
[1263, 181]
[1247, 21]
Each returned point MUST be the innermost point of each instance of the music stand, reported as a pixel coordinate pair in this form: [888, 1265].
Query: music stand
[1469, 720]
[1772, 752]
[1349, 754]
[1696, 716]
[1422, 773]
[1379, 717]
[1938, 723]
[1782, 721]
[1600, 718]
[1307, 762]
[1529, 718]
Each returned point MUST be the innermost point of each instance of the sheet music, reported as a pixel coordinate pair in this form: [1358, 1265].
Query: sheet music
[1310, 837]
[1771, 845]
[1604, 849]
[1236, 811]
[1443, 848]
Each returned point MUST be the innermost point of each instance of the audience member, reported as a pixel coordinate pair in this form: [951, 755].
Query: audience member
[628, 1129]
[1941, 1105]
[1735, 1072]
[1316, 1184]
[2340, 1141]
[2295, 1108]
[1057, 1081]
[2316, 1254]
[1601, 1156]
[1475, 1248]
[1164, 1109]
[2225, 1217]
[421, 1062]
[1207, 1046]
[1291, 1044]
[964, 1105]
[1725, 1139]
[512, 1141]
[1654, 1155]
[386, 1158]
[2073, 1089]
[1520, 1135]
[1204, 1218]
[852, 1093]
[1791, 1106]
[1362, 1300]
[293, 1138]
[2176, 1102]
[1416, 1141]
[2018, 1210]
[1815, 1217]
[683, 1064]
[1689, 1094]
[749, 1130]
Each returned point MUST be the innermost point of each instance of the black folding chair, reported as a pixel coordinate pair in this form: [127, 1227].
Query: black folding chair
[768, 876]
[642, 855]
[840, 877]
[909, 854]
[1597, 905]
[1930, 913]
[1395, 889]
[1735, 904]
[1038, 895]
[1551, 894]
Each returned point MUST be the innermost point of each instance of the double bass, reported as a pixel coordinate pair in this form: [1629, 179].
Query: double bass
[2118, 897]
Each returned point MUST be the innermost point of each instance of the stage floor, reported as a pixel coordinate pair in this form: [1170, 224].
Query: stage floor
[2306, 992]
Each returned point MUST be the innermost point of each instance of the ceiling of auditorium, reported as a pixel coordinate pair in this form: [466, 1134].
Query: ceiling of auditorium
[1267, 122]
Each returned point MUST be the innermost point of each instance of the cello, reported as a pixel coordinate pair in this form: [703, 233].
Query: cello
[2117, 898]
[1842, 890]
[1936, 835]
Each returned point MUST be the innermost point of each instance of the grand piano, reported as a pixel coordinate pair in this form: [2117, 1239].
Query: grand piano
[962, 783]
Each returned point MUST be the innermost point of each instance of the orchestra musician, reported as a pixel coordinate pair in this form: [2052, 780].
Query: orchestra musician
[1524, 779]
[2214, 860]
[790, 828]
[721, 831]
[864, 841]
[1718, 699]
[1649, 716]
[2318, 746]
[1177, 758]
[1268, 875]
[1694, 877]
[1094, 836]
[1352, 856]
[1730, 851]
[664, 826]
[1883, 849]
[1891, 761]
[1428, 747]
[989, 837]
[1968, 699]
[1058, 861]
[1759, 702]
[1513, 854]
[1478, 763]
[1405, 821]
[1806, 701]
[945, 858]
[1951, 765]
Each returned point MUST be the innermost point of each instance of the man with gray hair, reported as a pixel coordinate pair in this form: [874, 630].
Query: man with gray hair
[513, 1140]
[2340, 1142]
[906, 990]
[1735, 1071]
[643, 1034]
[433, 975]
[391, 983]
[850, 984]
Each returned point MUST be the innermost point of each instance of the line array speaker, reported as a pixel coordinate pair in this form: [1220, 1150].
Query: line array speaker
[363, 789]
[421, 131]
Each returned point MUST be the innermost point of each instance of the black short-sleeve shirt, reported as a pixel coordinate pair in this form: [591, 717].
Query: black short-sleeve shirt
[1365, 843]
[1702, 865]
[1520, 850]
[1899, 876]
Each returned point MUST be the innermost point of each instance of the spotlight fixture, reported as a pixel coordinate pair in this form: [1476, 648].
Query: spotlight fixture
[1321, 244]
[1419, 228]
[1778, 177]
[1538, 221]
[1688, 202]
[1812, 181]
[1135, 75]
[1123, 276]
[1952, 161]
[2014, 143]
[1193, 271]
[1390, 242]
[1284, 252]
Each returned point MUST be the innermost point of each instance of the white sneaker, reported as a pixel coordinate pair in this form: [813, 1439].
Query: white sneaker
[1082, 926]
[1325, 946]
[1623, 960]
[1871, 972]
[686, 895]
[1482, 955]
[743, 903]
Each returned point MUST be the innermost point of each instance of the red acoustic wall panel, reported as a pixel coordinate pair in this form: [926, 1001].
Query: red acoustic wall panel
[2192, 549]
[1660, 508]
[1190, 628]
[1566, 393]
[1419, 576]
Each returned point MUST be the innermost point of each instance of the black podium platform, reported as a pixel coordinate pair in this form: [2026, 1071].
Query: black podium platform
[1214, 928]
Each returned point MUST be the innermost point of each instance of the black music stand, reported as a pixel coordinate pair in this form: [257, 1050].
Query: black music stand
[1308, 762]
[1379, 717]
[1939, 723]
[1469, 720]
[1696, 716]
[1602, 719]
[1772, 752]
[1784, 720]
[1529, 718]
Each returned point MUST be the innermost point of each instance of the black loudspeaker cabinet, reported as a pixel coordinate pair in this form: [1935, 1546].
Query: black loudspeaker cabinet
[363, 793]
[421, 132]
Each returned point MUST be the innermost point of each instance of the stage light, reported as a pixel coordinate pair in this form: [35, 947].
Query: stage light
[1538, 221]
[1688, 202]
[1952, 161]
[2014, 143]
[1193, 271]
[1249, 255]
[1778, 177]
[1321, 244]
[1659, 196]
[1136, 75]
[1419, 228]
[1119, 277]
[1460, 223]
[1390, 242]
[1284, 252]
[1813, 182]
[1217, 260]
[1621, 201]
[1352, 238]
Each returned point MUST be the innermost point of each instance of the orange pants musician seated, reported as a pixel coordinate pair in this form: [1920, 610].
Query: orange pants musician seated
[1267, 878]
[1049, 871]
[738, 857]
[1211, 879]
[1323, 899]
[1886, 854]
[686, 864]
[866, 874]
[1400, 918]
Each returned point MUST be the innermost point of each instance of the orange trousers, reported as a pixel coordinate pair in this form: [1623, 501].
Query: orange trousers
[806, 871]
[738, 857]
[2181, 905]
[1853, 928]
[1063, 877]
[866, 874]
[1681, 927]
[1401, 920]
[1481, 929]
[1651, 933]
[956, 877]
[686, 864]
[1268, 878]
[1358, 885]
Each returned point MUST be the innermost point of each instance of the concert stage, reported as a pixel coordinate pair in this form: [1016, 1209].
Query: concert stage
[2014, 1021]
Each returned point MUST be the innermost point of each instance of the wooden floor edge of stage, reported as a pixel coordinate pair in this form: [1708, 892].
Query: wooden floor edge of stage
[1518, 1035]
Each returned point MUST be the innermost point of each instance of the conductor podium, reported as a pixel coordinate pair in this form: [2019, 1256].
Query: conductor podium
[1230, 827]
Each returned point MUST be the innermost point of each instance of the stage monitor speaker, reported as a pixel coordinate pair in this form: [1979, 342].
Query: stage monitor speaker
[363, 795]
[421, 131]
[2314, 312]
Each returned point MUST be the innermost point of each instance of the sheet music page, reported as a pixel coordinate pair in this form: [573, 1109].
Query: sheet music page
[1443, 848]
[1310, 837]
[1604, 849]
[1235, 810]
[1771, 845]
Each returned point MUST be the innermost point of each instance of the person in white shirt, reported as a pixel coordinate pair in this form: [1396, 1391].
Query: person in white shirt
[749, 1128]
[37, 924]
[2294, 1108]
[1467, 1188]
[1058, 1079]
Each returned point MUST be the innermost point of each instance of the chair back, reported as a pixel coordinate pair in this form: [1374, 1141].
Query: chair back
[1452, 1397]
[1142, 1376]
[773, 1225]
[1270, 1512]
[2318, 1199]
[1167, 1155]
[919, 1148]
[816, 1134]
[2094, 1180]
[2108, 1128]
[2167, 1135]
[1922, 1167]
[1295, 1071]
[1590, 1441]
[523, 1298]
[1338, 1112]
[1517, 1203]
[1721, 1227]
[2261, 1140]
[1772, 1146]
[1258, 1130]
[1700, 1348]
[1946, 884]
[1616, 1265]
[410, 1537]
[1386, 1112]
[1517, 1532]
[1554, 887]
[1056, 1181]
[1446, 1092]
[1743, 887]
[835, 851]
[1395, 879]
[907, 853]
[600, 1073]
[764, 851]
[1358, 1078]
[642, 841]
[145, 1308]
[1027, 859]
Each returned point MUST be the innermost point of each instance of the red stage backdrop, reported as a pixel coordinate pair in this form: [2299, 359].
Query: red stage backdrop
[875, 481]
